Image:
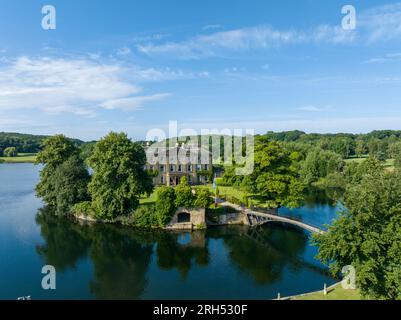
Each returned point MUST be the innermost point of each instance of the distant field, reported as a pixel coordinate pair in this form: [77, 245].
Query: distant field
[21, 158]
[358, 160]
[388, 164]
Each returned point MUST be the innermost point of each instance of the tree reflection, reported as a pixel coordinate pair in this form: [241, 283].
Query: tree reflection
[328, 196]
[120, 264]
[171, 254]
[65, 242]
[263, 253]
[120, 255]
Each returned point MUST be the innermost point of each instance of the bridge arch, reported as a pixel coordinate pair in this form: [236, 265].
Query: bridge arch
[258, 218]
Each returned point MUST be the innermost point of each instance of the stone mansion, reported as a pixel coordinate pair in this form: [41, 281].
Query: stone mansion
[173, 163]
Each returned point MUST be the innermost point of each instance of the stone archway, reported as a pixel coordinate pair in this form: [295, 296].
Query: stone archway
[183, 217]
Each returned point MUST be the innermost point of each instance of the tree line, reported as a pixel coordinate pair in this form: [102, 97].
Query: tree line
[380, 143]
[23, 143]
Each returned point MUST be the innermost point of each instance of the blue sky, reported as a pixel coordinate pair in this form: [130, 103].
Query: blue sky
[135, 65]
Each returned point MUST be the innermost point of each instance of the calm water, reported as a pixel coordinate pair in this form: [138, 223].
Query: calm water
[110, 262]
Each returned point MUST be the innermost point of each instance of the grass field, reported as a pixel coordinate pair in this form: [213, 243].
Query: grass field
[21, 158]
[388, 164]
[338, 293]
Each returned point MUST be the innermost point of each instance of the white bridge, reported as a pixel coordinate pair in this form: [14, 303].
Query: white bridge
[255, 218]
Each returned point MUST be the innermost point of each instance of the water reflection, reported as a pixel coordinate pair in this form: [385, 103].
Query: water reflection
[64, 242]
[173, 255]
[120, 263]
[121, 256]
[115, 262]
[263, 253]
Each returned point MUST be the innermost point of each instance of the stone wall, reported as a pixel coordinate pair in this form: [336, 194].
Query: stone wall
[197, 218]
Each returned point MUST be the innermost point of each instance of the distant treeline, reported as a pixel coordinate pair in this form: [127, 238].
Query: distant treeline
[379, 143]
[25, 143]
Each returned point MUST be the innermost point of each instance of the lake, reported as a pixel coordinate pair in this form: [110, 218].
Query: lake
[115, 262]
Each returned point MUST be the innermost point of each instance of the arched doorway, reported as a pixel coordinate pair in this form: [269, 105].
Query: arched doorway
[183, 217]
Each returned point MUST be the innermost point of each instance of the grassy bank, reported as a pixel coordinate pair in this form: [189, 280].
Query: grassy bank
[21, 158]
[337, 293]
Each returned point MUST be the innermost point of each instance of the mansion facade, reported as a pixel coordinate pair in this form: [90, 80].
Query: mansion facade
[194, 164]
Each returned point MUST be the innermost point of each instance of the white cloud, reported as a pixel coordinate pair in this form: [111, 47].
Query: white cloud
[390, 57]
[383, 23]
[258, 37]
[77, 86]
[166, 74]
[379, 23]
[212, 27]
[333, 35]
[12, 122]
[238, 39]
[132, 103]
[311, 108]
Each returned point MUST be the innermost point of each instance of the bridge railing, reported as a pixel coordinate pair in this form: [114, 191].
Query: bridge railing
[275, 212]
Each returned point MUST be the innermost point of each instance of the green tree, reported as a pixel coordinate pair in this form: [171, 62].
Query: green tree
[275, 177]
[183, 195]
[354, 172]
[394, 149]
[10, 152]
[70, 182]
[380, 155]
[203, 198]
[145, 216]
[397, 161]
[165, 204]
[119, 178]
[375, 146]
[55, 151]
[360, 148]
[367, 235]
[320, 163]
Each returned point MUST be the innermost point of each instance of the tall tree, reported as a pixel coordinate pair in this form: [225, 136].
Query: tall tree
[10, 152]
[165, 205]
[318, 164]
[119, 178]
[397, 161]
[70, 181]
[275, 176]
[55, 151]
[361, 148]
[367, 235]
[183, 194]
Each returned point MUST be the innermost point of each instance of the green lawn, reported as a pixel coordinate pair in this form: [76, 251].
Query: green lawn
[229, 191]
[338, 293]
[21, 158]
[233, 192]
[148, 200]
